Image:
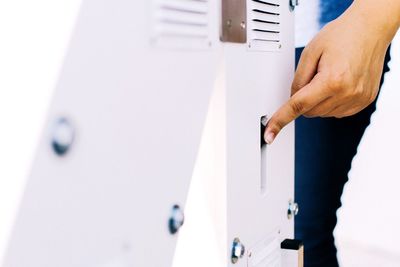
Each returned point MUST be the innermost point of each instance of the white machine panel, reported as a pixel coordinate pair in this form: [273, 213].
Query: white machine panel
[137, 109]
[142, 84]
[260, 182]
[246, 188]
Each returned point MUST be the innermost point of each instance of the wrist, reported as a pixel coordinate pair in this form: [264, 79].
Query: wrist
[381, 18]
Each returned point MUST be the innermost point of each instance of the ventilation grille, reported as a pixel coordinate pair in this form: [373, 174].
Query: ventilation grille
[181, 20]
[265, 24]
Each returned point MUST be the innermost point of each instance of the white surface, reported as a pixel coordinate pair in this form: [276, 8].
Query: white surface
[138, 112]
[307, 25]
[370, 217]
[256, 85]
[230, 202]
[356, 254]
[83, 210]
[33, 38]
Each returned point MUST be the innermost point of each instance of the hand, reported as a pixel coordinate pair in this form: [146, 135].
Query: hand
[339, 72]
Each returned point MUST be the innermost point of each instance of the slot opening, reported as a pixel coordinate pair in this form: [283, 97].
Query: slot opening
[263, 157]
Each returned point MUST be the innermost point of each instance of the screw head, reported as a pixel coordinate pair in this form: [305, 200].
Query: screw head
[293, 4]
[176, 219]
[293, 209]
[243, 25]
[238, 250]
[63, 136]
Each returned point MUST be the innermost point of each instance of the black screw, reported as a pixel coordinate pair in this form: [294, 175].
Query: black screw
[238, 250]
[176, 220]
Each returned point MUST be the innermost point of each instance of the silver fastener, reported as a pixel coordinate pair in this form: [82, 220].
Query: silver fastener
[293, 4]
[176, 220]
[238, 250]
[293, 209]
[63, 136]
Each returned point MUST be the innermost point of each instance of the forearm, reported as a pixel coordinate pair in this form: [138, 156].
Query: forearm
[381, 16]
[340, 70]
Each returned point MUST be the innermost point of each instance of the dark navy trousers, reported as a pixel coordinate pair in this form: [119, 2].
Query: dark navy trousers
[325, 148]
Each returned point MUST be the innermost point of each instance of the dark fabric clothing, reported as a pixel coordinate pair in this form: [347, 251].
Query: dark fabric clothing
[325, 148]
[331, 9]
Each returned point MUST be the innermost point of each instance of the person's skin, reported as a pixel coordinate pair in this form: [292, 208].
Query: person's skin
[339, 72]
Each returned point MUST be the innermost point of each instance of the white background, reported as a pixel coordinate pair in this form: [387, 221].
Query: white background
[33, 39]
[369, 222]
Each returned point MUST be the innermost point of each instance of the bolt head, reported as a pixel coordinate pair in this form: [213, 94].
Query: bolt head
[293, 209]
[293, 4]
[176, 219]
[238, 250]
[63, 136]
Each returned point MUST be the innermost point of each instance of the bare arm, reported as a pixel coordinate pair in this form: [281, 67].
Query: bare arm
[339, 71]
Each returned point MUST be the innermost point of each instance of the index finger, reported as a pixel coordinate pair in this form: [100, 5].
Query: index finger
[302, 101]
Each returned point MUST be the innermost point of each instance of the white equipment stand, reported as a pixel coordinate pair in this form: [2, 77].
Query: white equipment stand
[152, 94]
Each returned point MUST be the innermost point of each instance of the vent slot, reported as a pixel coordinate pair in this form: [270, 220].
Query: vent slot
[265, 25]
[181, 20]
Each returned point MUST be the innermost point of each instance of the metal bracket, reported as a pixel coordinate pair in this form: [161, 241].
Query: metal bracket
[292, 252]
[233, 24]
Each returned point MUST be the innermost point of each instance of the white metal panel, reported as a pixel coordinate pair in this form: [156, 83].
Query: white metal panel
[257, 84]
[138, 111]
[251, 84]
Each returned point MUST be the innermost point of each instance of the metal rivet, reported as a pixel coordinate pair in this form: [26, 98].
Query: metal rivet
[238, 250]
[229, 23]
[293, 209]
[176, 220]
[63, 136]
[243, 25]
[293, 4]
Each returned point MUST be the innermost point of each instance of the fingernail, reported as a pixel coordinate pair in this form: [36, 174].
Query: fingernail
[269, 137]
